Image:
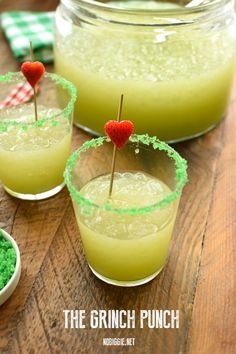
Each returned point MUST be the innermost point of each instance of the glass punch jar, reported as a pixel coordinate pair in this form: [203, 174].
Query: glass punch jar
[173, 61]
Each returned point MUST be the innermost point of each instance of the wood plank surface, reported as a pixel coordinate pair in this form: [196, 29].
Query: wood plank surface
[214, 312]
[198, 278]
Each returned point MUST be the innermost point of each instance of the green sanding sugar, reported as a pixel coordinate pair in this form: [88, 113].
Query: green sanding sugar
[7, 261]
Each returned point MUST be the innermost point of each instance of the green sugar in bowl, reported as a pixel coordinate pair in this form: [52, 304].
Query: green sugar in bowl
[10, 266]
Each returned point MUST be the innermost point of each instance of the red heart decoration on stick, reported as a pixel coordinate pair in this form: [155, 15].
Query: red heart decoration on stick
[33, 71]
[119, 132]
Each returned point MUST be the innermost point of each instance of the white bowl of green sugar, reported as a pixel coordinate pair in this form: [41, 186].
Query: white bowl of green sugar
[10, 266]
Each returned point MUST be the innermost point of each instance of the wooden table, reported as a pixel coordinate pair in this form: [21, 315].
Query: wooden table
[199, 277]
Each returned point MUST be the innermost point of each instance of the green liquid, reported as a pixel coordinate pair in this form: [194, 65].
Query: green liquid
[126, 247]
[32, 161]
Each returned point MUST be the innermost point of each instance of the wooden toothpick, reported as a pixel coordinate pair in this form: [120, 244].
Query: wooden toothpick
[115, 148]
[34, 89]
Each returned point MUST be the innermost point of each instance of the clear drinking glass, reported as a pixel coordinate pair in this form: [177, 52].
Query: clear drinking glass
[173, 60]
[33, 153]
[126, 237]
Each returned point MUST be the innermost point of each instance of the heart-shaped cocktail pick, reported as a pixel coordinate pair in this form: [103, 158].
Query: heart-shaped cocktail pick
[33, 71]
[119, 133]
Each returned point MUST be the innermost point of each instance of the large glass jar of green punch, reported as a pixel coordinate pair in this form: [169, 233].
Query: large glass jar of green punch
[174, 62]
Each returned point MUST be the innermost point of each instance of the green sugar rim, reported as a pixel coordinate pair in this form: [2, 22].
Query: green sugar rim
[66, 112]
[181, 176]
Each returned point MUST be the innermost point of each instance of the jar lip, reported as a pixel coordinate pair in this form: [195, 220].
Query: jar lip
[203, 6]
[181, 176]
[105, 13]
[59, 80]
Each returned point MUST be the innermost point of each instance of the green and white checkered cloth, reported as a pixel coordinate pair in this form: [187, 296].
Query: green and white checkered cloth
[21, 27]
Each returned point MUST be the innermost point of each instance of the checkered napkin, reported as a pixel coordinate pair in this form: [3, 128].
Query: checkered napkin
[22, 93]
[21, 27]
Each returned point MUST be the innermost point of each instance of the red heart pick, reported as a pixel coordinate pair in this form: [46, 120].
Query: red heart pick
[119, 132]
[33, 71]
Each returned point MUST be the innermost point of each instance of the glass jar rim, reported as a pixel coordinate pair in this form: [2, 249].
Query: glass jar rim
[66, 111]
[96, 12]
[181, 176]
[202, 6]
